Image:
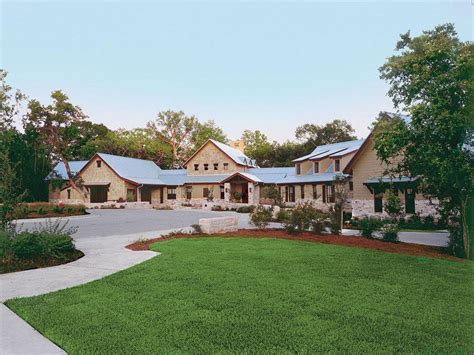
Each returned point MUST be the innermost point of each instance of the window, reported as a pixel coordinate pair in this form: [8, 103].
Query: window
[206, 166]
[171, 192]
[222, 193]
[410, 201]
[315, 192]
[351, 186]
[196, 167]
[69, 194]
[189, 192]
[302, 192]
[205, 192]
[290, 193]
[337, 165]
[378, 202]
[298, 169]
[216, 166]
[99, 163]
[226, 166]
[329, 194]
[316, 167]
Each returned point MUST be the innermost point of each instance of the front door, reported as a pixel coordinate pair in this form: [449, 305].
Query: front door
[146, 194]
[98, 194]
[245, 193]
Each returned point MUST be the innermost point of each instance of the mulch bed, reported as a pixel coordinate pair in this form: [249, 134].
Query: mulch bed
[33, 215]
[21, 265]
[351, 241]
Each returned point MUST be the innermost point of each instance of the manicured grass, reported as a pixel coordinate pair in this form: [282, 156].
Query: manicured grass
[264, 295]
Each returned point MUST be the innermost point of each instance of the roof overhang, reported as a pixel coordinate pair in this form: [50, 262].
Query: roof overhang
[248, 177]
[97, 183]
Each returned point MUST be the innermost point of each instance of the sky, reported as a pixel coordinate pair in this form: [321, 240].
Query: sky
[247, 65]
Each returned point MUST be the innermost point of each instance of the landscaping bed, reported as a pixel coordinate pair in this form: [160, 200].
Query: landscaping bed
[350, 241]
[47, 210]
[40, 262]
[264, 295]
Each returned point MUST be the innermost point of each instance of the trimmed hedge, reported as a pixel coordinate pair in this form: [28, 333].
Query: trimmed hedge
[45, 209]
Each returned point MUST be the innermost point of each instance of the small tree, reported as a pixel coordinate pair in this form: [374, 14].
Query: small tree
[261, 217]
[10, 197]
[393, 205]
[272, 192]
[340, 184]
[53, 123]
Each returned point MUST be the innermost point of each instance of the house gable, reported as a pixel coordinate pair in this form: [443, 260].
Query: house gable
[210, 154]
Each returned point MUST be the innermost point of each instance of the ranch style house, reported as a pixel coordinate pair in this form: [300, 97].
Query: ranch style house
[217, 174]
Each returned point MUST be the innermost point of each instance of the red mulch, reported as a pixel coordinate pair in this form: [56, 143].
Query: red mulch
[357, 242]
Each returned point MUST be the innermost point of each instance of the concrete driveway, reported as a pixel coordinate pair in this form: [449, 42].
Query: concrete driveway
[107, 222]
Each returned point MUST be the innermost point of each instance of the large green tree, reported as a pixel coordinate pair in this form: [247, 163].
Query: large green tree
[257, 147]
[312, 135]
[53, 122]
[431, 79]
[204, 131]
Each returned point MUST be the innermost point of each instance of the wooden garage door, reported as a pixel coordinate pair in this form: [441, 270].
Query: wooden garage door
[98, 194]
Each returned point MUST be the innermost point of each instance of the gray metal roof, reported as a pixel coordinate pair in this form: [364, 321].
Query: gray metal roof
[389, 179]
[131, 168]
[59, 171]
[271, 175]
[332, 150]
[235, 154]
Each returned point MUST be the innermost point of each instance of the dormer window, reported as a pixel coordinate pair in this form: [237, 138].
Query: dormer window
[206, 166]
[316, 167]
[298, 169]
[99, 163]
[226, 166]
[216, 166]
[196, 167]
[337, 165]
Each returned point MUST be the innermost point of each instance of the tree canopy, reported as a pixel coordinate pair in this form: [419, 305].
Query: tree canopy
[431, 79]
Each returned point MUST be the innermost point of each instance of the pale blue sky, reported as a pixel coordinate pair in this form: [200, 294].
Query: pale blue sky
[247, 65]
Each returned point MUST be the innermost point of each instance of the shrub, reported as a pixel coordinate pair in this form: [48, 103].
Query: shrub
[392, 204]
[245, 209]
[217, 208]
[58, 209]
[283, 215]
[261, 217]
[319, 224]
[300, 219]
[42, 211]
[390, 232]
[369, 225]
[197, 228]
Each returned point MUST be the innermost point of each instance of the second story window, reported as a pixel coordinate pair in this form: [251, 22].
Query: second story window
[206, 166]
[69, 194]
[337, 165]
[298, 169]
[99, 163]
[216, 166]
[316, 167]
[226, 166]
[196, 167]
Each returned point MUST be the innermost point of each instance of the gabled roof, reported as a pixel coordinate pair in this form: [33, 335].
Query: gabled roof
[331, 150]
[236, 155]
[245, 176]
[137, 171]
[59, 170]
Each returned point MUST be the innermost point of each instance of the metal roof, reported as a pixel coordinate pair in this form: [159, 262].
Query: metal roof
[271, 175]
[332, 150]
[235, 154]
[131, 168]
[59, 171]
[389, 179]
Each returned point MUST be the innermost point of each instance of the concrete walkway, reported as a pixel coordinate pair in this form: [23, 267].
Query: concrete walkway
[103, 256]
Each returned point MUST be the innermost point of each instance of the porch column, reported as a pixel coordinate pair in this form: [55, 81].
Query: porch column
[139, 194]
[227, 192]
[251, 192]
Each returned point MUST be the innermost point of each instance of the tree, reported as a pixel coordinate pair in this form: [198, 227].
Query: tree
[53, 122]
[10, 196]
[312, 135]
[431, 78]
[137, 143]
[79, 134]
[205, 131]
[175, 129]
[257, 147]
[9, 102]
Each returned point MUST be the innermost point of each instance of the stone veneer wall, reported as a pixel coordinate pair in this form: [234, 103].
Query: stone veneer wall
[365, 208]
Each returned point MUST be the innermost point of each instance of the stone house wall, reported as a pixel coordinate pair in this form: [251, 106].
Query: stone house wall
[211, 155]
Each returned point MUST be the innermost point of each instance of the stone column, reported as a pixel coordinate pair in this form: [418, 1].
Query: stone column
[251, 192]
[227, 192]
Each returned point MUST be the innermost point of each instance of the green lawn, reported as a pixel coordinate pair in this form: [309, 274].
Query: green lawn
[256, 295]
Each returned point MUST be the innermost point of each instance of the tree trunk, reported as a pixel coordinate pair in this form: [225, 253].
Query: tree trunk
[71, 178]
[467, 217]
